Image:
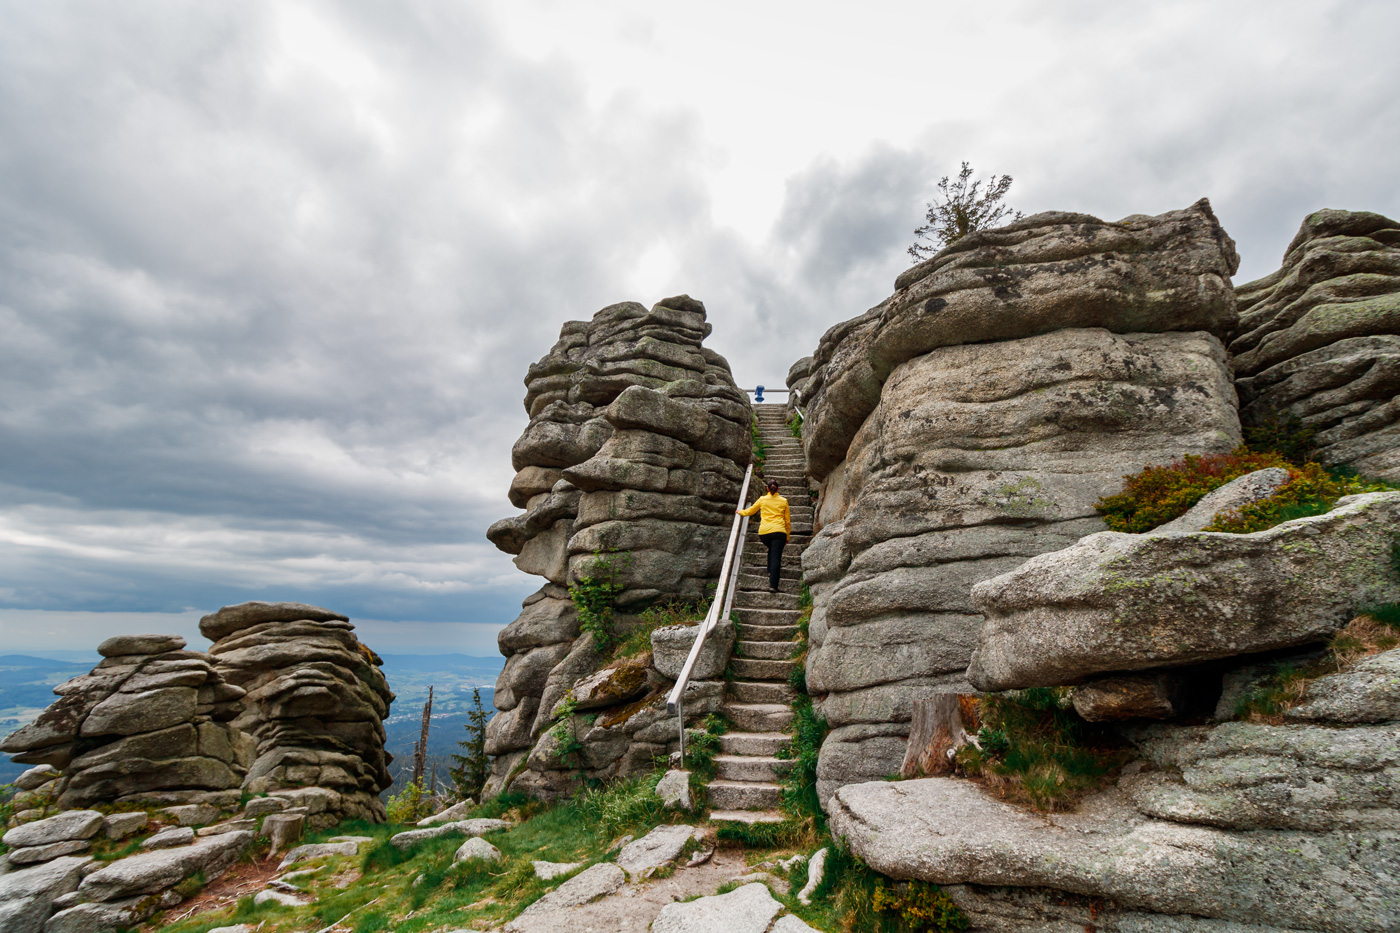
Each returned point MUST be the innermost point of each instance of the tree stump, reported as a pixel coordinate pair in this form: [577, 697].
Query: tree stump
[937, 732]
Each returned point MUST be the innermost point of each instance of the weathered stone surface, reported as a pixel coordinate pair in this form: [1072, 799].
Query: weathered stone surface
[231, 619]
[976, 458]
[149, 872]
[477, 848]
[548, 871]
[317, 850]
[1320, 339]
[655, 849]
[192, 814]
[98, 918]
[600, 880]
[29, 855]
[457, 811]
[816, 871]
[674, 790]
[314, 704]
[121, 825]
[66, 826]
[636, 446]
[119, 645]
[1048, 272]
[670, 646]
[169, 838]
[1116, 602]
[749, 909]
[950, 832]
[1368, 692]
[1127, 696]
[477, 827]
[36, 777]
[24, 915]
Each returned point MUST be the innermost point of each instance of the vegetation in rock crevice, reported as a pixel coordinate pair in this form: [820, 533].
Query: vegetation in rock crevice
[1036, 751]
[1159, 494]
[595, 595]
[760, 448]
[1286, 685]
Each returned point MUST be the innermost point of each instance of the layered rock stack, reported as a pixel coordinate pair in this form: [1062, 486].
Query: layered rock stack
[149, 723]
[972, 420]
[315, 705]
[636, 447]
[1319, 340]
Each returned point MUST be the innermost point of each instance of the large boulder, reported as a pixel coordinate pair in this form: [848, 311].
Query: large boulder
[1121, 602]
[315, 705]
[1319, 340]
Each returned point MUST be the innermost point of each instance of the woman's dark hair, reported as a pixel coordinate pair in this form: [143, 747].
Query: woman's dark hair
[772, 484]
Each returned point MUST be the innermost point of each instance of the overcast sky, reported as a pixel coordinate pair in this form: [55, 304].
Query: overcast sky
[271, 273]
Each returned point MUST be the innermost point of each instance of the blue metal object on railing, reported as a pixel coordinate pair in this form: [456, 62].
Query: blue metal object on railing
[758, 395]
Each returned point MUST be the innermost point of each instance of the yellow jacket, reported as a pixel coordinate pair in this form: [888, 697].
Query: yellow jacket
[776, 516]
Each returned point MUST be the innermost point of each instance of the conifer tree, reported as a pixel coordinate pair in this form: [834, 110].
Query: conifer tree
[473, 765]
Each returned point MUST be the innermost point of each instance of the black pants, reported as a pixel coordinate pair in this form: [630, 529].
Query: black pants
[776, 541]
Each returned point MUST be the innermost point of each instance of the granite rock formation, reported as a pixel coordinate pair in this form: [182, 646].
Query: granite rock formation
[1319, 340]
[1122, 602]
[151, 722]
[314, 706]
[636, 448]
[1238, 826]
[972, 420]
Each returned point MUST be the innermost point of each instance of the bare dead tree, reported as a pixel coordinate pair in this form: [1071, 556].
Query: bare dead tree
[420, 750]
[963, 208]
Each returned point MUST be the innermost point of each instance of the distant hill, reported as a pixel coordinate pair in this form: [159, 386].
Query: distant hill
[26, 687]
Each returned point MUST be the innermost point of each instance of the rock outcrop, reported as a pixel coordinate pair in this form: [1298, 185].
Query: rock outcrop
[972, 420]
[1320, 340]
[150, 723]
[314, 707]
[1123, 602]
[1239, 826]
[635, 451]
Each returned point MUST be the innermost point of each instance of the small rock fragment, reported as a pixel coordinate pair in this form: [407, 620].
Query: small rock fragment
[169, 838]
[547, 871]
[477, 848]
[816, 870]
[121, 825]
[674, 790]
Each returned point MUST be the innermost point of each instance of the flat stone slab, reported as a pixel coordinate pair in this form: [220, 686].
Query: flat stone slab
[479, 827]
[149, 872]
[64, 827]
[949, 831]
[749, 909]
[139, 644]
[170, 838]
[455, 812]
[600, 880]
[547, 871]
[1119, 602]
[476, 848]
[317, 850]
[655, 849]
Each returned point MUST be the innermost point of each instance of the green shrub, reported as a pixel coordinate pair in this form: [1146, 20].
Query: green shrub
[760, 449]
[794, 423]
[638, 641]
[809, 730]
[624, 805]
[1159, 494]
[1285, 686]
[1310, 490]
[409, 805]
[594, 594]
[1036, 751]
[701, 747]
[1287, 436]
[869, 902]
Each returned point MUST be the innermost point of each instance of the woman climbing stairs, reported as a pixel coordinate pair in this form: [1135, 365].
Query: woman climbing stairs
[748, 772]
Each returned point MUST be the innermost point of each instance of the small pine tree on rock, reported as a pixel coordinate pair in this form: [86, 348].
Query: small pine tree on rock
[964, 207]
[473, 765]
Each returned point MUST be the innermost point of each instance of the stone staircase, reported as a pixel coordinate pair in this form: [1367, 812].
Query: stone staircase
[747, 770]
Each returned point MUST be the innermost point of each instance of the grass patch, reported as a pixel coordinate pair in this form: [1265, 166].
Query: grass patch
[1036, 751]
[1286, 685]
[760, 449]
[637, 641]
[853, 898]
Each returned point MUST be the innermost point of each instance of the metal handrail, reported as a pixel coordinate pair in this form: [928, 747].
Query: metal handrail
[719, 607]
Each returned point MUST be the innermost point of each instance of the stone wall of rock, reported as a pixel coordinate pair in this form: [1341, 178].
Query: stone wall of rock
[971, 421]
[314, 706]
[1320, 340]
[149, 723]
[637, 443]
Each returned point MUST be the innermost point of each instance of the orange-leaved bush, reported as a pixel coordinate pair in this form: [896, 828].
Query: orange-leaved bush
[1310, 490]
[1159, 494]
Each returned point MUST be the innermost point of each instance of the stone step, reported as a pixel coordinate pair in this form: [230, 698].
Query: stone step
[764, 744]
[758, 717]
[768, 633]
[786, 570]
[758, 582]
[761, 669]
[759, 691]
[746, 816]
[750, 768]
[762, 599]
[767, 616]
[744, 795]
[766, 650]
